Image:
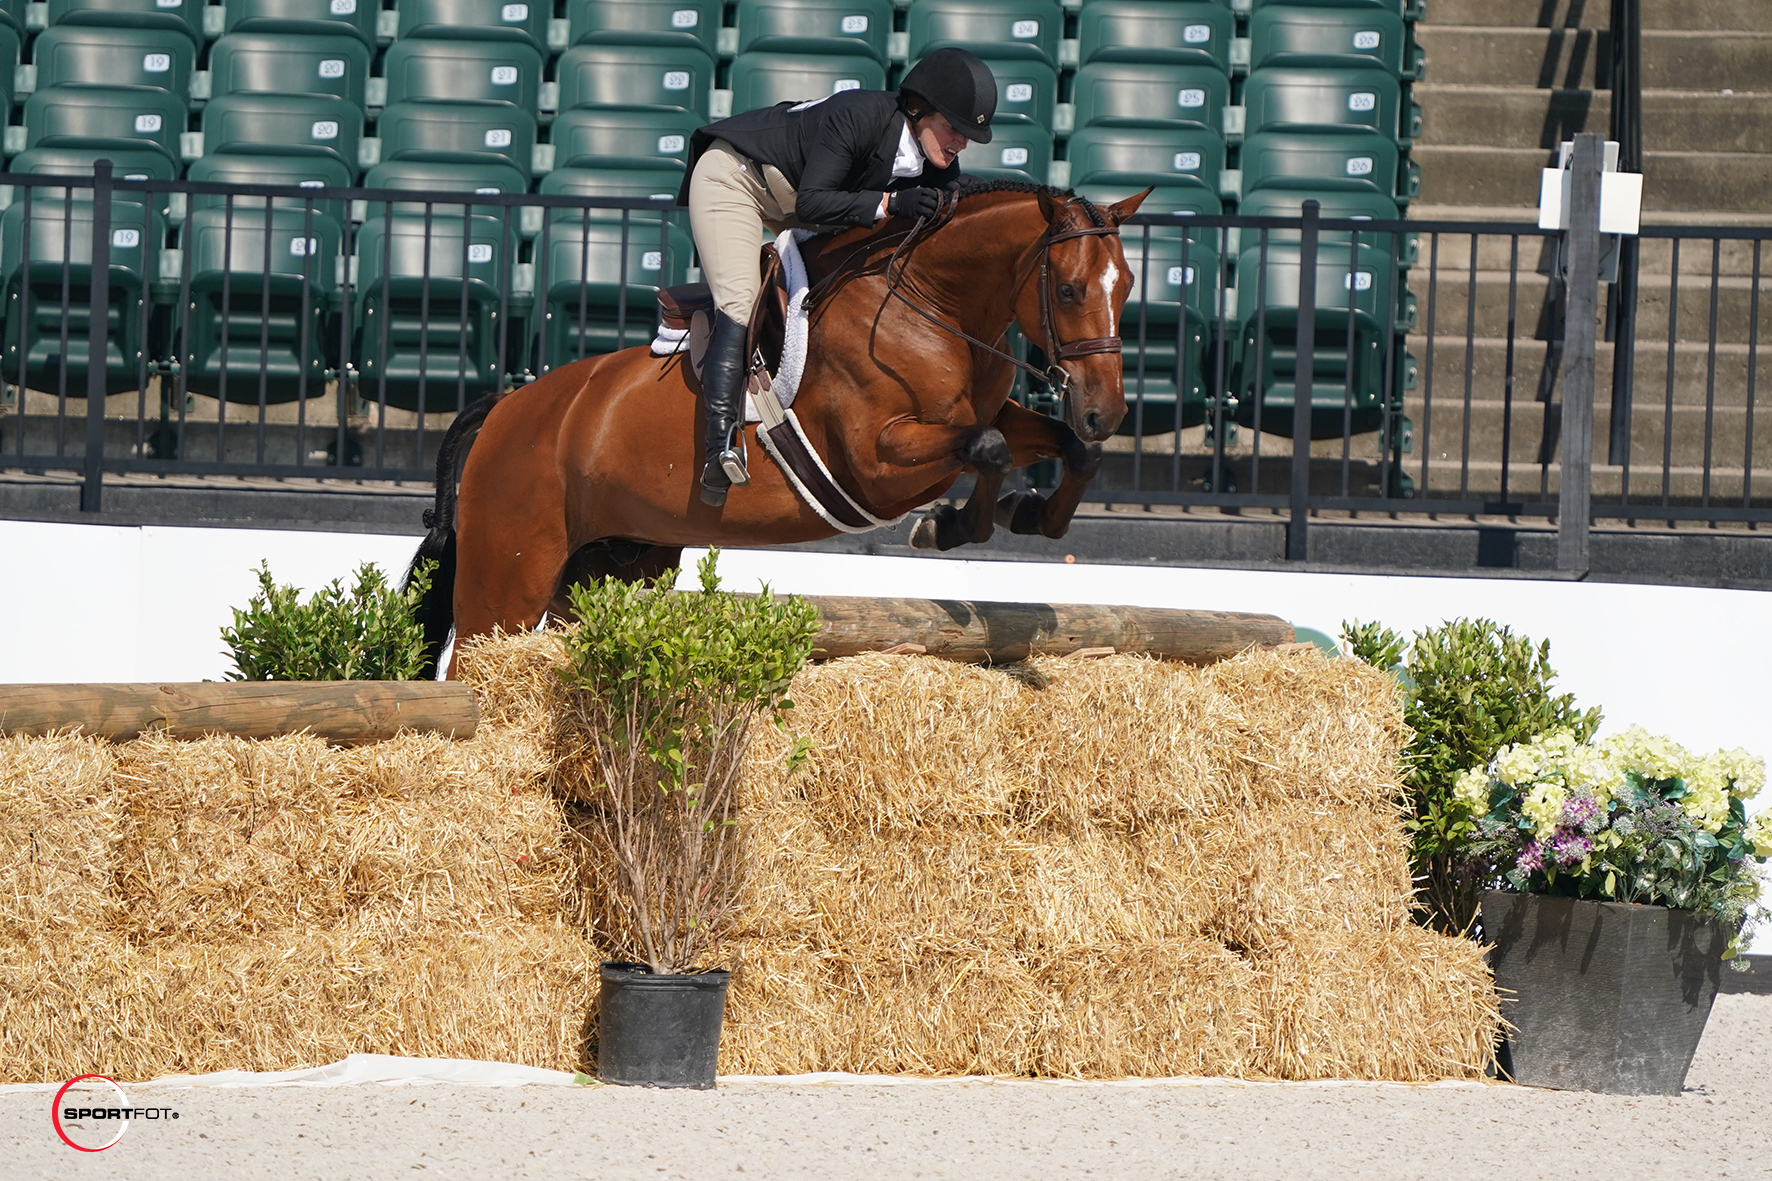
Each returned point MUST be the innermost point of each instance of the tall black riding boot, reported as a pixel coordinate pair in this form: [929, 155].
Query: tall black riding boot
[722, 382]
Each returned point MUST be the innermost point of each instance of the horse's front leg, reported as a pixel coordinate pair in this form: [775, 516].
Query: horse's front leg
[983, 449]
[1031, 438]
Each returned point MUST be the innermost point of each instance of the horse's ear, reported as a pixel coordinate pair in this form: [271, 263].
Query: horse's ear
[1119, 211]
[1048, 208]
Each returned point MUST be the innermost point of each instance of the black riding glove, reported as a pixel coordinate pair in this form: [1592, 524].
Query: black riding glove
[914, 203]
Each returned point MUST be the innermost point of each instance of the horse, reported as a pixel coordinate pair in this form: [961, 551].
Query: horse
[592, 469]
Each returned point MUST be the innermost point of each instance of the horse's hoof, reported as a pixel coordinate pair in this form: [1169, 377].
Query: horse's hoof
[926, 534]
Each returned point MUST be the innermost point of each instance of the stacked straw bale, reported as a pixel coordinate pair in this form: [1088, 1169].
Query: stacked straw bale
[1079, 868]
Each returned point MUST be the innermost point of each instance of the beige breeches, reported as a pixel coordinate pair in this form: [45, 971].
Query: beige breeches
[732, 201]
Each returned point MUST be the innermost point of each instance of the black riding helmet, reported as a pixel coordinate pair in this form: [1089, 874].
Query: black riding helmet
[957, 84]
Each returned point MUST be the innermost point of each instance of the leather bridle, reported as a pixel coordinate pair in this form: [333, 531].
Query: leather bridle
[1054, 375]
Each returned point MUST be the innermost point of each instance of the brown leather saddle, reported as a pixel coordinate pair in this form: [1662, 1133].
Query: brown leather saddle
[690, 307]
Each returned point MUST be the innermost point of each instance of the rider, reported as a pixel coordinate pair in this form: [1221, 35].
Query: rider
[853, 158]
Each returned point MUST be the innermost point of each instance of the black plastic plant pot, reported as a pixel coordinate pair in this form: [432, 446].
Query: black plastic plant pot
[1602, 996]
[659, 1031]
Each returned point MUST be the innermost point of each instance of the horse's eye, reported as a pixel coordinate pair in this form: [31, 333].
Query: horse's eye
[1067, 293]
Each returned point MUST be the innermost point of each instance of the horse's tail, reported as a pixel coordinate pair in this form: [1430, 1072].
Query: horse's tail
[436, 610]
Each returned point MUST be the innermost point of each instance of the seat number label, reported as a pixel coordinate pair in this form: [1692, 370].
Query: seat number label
[1024, 30]
[343, 7]
[498, 137]
[514, 12]
[1366, 39]
[1187, 161]
[1191, 98]
[1357, 281]
[652, 260]
[842, 84]
[1362, 100]
[1197, 34]
[302, 247]
[670, 145]
[1177, 276]
[676, 80]
[325, 129]
[855, 24]
[168, 3]
[479, 252]
[157, 63]
[147, 122]
[1359, 166]
[504, 75]
[1014, 157]
[126, 238]
[685, 18]
[1020, 92]
[332, 67]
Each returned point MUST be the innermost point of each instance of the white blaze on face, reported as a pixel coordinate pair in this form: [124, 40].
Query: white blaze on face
[1109, 277]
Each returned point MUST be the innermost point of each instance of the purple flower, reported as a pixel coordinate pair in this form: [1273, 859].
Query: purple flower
[1583, 812]
[1569, 846]
[1531, 858]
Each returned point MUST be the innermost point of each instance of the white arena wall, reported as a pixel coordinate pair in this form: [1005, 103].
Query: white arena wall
[99, 603]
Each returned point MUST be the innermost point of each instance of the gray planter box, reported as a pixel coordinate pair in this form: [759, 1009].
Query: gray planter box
[1602, 996]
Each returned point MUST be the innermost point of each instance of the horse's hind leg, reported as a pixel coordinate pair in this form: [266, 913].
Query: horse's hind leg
[1034, 437]
[944, 527]
[508, 562]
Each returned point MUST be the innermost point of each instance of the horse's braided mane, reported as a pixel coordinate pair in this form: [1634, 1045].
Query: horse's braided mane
[973, 186]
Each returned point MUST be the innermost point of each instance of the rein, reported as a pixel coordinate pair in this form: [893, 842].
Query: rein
[1054, 375]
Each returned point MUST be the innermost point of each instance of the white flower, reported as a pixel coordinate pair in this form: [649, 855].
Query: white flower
[1517, 764]
[1544, 807]
[1472, 790]
[1747, 772]
[1589, 767]
[1707, 805]
[1653, 756]
[1759, 833]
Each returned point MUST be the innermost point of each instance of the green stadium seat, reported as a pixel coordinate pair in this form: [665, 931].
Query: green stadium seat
[1348, 371]
[997, 30]
[617, 182]
[356, 17]
[646, 22]
[663, 77]
[42, 352]
[413, 343]
[1175, 281]
[1355, 159]
[477, 20]
[613, 137]
[765, 79]
[1286, 36]
[284, 125]
[1176, 202]
[1409, 10]
[308, 172]
[126, 117]
[1335, 203]
[258, 322]
[1276, 98]
[841, 27]
[289, 63]
[593, 304]
[1017, 151]
[494, 71]
[1197, 32]
[11, 43]
[183, 15]
[129, 163]
[1026, 89]
[103, 56]
[1111, 92]
[492, 176]
[1147, 155]
[469, 131]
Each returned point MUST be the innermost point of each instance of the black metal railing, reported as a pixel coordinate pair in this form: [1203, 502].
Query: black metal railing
[1308, 364]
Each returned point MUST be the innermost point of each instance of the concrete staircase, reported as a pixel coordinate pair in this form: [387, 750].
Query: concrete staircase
[1510, 79]
[1507, 81]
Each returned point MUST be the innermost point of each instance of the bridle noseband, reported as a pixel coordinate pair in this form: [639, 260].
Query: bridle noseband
[1054, 375]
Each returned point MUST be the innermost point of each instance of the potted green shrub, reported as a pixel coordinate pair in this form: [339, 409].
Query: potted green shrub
[1621, 874]
[666, 687]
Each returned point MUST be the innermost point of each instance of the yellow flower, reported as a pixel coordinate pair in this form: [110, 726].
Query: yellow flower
[1544, 807]
[1517, 764]
[1759, 833]
[1472, 790]
[1707, 805]
[1748, 772]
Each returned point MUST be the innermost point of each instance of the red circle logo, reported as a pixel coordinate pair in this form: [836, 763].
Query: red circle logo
[56, 1112]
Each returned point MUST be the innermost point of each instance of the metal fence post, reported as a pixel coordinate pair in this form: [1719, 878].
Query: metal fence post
[1581, 252]
[1627, 129]
[1305, 352]
[98, 337]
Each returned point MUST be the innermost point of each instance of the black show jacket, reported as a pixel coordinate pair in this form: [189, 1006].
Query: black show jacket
[837, 153]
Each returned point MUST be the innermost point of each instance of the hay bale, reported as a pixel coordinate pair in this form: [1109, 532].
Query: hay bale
[58, 832]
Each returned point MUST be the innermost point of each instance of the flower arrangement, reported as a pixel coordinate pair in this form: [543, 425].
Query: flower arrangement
[1633, 818]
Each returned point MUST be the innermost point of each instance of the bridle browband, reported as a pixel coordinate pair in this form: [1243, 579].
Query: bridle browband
[1054, 375]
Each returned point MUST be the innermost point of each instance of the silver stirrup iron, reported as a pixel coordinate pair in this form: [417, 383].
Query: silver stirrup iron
[734, 461]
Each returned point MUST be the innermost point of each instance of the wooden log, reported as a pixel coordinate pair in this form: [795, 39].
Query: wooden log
[984, 633]
[339, 711]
